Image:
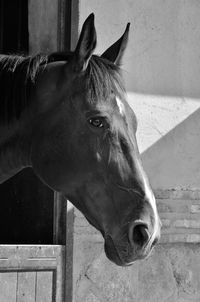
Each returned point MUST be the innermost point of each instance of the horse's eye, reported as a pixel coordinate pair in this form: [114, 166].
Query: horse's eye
[96, 122]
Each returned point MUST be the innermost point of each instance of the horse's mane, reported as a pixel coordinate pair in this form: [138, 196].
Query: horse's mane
[18, 75]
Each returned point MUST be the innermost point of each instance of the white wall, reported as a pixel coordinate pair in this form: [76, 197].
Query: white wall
[164, 48]
[162, 73]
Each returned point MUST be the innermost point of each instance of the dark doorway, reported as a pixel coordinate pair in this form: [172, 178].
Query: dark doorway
[26, 205]
[14, 26]
[26, 210]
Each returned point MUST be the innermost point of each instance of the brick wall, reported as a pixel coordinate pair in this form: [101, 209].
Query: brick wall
[170, 274]
[180, 214]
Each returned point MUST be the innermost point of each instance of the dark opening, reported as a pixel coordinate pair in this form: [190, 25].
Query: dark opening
[26, 205]
[26, 210]
[14, 26]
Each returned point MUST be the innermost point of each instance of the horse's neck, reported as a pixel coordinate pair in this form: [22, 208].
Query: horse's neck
[13, 152]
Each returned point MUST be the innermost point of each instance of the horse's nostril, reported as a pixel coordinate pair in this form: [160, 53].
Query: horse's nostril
[140, 235]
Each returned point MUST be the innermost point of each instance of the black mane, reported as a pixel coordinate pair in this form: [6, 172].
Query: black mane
[18, 75]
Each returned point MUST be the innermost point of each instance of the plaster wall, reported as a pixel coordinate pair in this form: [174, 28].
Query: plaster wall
[162, 75]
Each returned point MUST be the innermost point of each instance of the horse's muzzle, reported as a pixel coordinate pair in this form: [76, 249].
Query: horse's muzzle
[137, 245]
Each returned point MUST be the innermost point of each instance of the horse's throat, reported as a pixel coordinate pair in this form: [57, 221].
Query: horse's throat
[13, 156]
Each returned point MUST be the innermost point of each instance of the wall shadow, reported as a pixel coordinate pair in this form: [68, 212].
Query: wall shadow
[174, 160]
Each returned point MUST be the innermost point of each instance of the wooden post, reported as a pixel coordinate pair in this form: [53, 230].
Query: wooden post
[67, 38]
[60, 219]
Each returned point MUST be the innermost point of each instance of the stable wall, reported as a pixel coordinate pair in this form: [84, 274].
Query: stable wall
[162, 74]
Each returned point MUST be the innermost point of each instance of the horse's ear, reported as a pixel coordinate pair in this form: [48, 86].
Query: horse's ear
[86, 43]
[115, 52]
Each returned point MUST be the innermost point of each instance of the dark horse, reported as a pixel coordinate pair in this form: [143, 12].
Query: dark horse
[66, 116]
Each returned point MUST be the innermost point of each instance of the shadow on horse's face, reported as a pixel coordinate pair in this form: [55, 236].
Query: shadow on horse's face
[85, 147]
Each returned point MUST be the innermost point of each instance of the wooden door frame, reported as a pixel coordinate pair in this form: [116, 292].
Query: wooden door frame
[67, 35]
[64, 38]
[64, 212]
[67, 24]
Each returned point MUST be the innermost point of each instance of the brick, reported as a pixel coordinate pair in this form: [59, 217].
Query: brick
[193, 238]
[177, 194]
[180, 238]
[185, 223]
[170, 206]
[166, 222]
[176, 215]
[195, 208]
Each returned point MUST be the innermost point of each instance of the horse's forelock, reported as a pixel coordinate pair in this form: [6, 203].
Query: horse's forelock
[103, 77]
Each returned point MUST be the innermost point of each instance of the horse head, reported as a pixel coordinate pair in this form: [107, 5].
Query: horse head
[84, 146]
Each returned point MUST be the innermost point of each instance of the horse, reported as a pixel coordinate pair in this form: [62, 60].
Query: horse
[66, 116]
